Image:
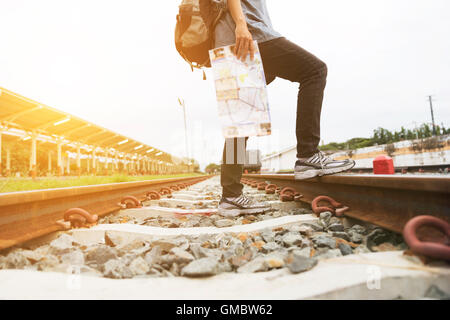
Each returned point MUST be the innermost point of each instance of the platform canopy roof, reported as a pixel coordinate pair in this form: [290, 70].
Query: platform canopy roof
[30, 116]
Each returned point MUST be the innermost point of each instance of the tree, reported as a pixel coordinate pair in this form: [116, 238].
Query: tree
[212, 168]
[438, 131]
[426, 131]
[383, 136]
[410, 135]
[402, 133]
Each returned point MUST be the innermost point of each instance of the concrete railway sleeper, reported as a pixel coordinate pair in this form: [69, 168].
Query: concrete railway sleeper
[177, 234]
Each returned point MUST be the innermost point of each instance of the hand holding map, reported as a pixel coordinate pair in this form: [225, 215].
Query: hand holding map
[241, 93]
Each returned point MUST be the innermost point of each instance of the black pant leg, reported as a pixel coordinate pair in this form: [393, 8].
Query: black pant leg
[231, 173]
[284, 59]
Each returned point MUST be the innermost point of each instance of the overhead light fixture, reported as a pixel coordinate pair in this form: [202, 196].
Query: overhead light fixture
[26, 138]
[159, 153]
[122, 142]
[138, 147]
[61, 121]
[152, 149]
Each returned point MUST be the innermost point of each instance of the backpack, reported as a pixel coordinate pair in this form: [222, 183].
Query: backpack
[194, 30]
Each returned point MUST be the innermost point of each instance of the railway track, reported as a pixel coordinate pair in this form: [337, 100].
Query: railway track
[388, 201]
[30, 214]
[166, 234]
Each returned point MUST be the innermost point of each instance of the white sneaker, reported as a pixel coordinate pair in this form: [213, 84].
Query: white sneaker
[318, 165]
[233, 207]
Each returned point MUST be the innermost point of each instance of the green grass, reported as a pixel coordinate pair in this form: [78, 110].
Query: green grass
[25, 184]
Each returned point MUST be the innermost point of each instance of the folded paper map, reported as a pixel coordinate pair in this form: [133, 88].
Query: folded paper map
[241, 93]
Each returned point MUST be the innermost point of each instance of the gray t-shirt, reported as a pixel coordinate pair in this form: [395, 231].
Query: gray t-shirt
[258, 22]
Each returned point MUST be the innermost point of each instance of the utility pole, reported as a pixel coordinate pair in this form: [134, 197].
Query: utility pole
[430, 99]
[182, 104]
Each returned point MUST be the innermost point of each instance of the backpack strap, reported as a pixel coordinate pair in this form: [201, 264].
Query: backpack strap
[213, 26]
[212, 37]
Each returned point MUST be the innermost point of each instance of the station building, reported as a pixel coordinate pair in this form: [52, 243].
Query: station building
[73, 146]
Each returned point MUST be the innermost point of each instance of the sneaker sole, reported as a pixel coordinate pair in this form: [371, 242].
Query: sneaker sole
[237, 212]
[321, 172]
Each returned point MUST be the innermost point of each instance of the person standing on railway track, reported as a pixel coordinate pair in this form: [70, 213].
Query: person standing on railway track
[243, 22]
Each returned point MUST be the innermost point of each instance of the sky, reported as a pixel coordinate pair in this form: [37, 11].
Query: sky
[114, 63]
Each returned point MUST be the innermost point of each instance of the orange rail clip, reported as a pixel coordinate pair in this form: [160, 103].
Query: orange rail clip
[427, 248]
[78, 217]
[336, 207]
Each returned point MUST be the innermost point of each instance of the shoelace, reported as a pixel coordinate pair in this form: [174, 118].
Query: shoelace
[242, 200]
[322, 157]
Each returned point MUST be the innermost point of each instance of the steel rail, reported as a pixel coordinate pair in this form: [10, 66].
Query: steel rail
[28, 215]
[388, 201]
